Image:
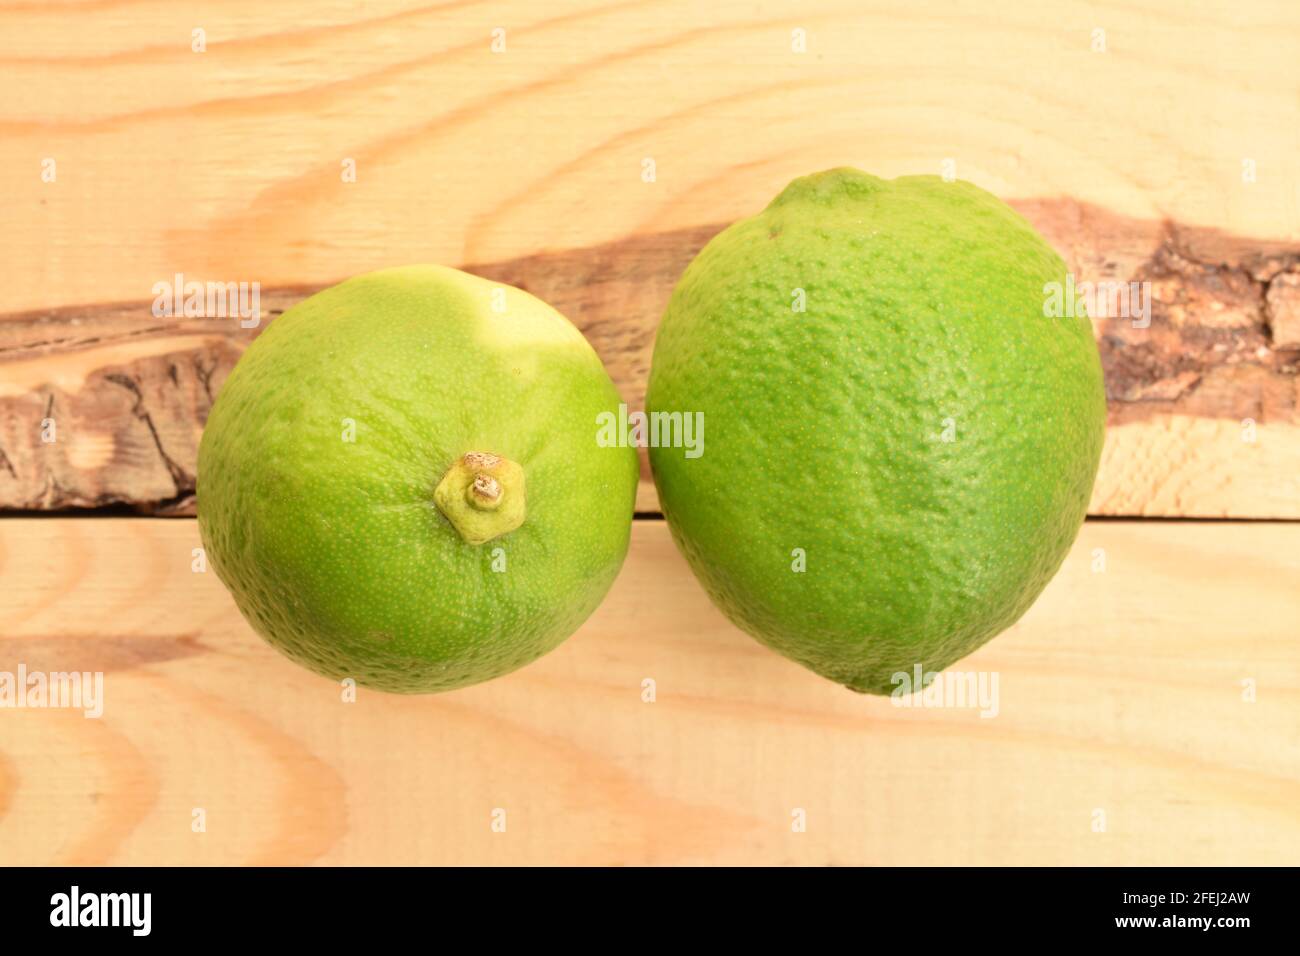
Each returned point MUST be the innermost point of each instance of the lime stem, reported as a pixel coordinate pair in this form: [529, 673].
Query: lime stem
[482, 495]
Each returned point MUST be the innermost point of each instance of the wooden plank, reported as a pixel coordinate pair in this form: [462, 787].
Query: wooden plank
[226, 164]
[1120, 694]
[1204, 404]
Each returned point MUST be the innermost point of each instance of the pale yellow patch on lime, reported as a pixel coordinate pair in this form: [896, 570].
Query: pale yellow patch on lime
[516, 320]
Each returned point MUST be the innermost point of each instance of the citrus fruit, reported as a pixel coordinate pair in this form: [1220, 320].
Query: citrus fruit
[400, 481]
[901, 445]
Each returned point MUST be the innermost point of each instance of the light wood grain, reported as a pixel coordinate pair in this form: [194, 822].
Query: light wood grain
[1120, 691]
[226, 164]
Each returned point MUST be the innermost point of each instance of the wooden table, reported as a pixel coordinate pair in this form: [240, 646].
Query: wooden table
[1149, 703]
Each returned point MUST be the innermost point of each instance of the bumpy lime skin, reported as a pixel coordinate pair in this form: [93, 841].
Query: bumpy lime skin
[826, 428]
[335, 551]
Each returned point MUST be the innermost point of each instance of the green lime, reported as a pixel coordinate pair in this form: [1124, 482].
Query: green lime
[400, 481]
[901, 445]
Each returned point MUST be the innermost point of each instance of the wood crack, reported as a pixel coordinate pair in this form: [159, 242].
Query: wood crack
[183, 480]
